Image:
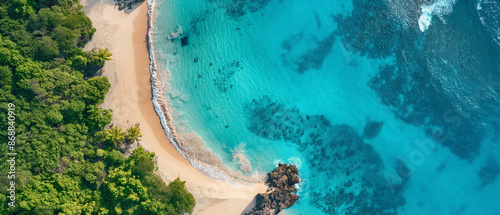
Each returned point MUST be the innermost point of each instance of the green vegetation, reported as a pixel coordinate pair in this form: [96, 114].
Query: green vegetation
[133, 134]
[115, 135]
[101, 56]
[66, 162]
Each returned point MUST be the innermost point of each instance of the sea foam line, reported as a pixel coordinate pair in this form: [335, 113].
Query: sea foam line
[161, 107]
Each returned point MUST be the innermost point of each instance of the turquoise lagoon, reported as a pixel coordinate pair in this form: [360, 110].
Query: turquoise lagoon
[289, 81]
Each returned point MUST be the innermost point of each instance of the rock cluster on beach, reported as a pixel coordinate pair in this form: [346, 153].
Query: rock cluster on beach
[126, 4]
[280, 194]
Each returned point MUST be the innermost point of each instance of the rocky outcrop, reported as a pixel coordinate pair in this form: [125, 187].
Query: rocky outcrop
[126, 4]
[281, 191]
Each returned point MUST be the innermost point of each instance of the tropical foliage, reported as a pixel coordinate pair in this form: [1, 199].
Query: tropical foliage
[66, 162]
[101, 56]
[115, 135]
[133, 134]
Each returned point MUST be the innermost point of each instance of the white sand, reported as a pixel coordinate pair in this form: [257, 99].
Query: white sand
[124, 33]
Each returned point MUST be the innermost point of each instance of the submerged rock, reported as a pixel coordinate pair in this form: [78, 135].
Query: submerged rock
[489, 172]
[372, 129]
[185, 40]
[280, 194]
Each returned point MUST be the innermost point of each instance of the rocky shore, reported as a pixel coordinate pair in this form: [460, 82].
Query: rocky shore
[281, 191]
[126, 4]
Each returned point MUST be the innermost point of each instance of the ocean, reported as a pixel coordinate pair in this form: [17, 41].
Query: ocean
[385, 106]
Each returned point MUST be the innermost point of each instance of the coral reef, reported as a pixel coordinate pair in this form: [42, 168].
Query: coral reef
[344, 164]
[420, 85]
[223, 81]
[489, 172]
[372, 129]
[238, 8]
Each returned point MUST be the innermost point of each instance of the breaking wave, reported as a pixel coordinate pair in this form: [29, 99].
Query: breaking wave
[439, 8]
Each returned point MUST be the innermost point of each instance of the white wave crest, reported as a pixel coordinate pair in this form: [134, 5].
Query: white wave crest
[293, 160]
[277, 162]
[439, 8]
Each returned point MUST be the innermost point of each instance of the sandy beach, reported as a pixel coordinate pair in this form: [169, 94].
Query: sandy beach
[124, 33]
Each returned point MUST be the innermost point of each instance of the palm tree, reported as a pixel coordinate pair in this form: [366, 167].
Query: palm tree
[101, 56]
[134, 134]
[116, 135]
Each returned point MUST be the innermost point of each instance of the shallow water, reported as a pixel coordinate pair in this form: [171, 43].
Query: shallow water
[378, 115]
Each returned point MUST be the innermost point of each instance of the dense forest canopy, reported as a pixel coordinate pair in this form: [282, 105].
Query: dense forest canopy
[66, 161]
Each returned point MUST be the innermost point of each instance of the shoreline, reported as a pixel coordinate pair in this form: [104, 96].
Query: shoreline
[131, 97]
[198, 156]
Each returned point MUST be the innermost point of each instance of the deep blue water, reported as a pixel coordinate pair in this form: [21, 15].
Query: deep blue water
[385, 106]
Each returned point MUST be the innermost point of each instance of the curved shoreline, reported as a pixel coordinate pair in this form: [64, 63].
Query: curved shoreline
[160, 103]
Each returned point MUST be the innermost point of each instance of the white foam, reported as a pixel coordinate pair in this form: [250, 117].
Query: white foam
[277, 162]
[295, 161]
[438, 8]
[239, 156]
[213, 169]
[292, 160]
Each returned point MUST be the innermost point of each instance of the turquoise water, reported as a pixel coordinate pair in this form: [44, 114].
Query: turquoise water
[280, 81]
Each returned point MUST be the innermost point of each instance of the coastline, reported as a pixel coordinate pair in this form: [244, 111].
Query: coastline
[125, 34]
[195, 152]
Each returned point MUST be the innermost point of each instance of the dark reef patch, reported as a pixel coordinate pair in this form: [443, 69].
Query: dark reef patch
[224, 74]
[359, 181]
[291, 41]
[197, 19]
[421, 85]
[314, 57]
[311, 58]
[318, 20]
[371, 29]
[372, 129]
[185, 40]
[402, 168]
[489, 172]
[239, 8]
